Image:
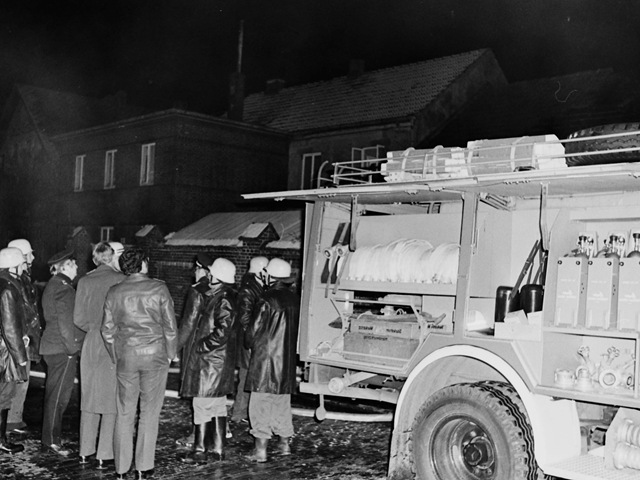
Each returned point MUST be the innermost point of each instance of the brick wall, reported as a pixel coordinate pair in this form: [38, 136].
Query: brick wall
[174, 264]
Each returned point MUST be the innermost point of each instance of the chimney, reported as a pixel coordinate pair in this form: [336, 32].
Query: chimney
[236, 83]
[236, 96]
[356, 68]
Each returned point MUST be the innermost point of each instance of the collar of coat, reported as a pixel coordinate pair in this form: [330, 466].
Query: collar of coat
[66, 280]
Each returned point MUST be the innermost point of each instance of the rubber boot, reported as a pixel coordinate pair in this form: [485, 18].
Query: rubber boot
[284, 448]
[259, 453]
[199, 452]
[187, 442]
[5, 446]
[219, 435]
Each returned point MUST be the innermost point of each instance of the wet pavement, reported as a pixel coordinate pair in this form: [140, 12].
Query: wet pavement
[332, 449]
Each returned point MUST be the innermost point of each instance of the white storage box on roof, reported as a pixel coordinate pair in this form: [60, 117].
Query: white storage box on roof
[510, 154]
[479, 158]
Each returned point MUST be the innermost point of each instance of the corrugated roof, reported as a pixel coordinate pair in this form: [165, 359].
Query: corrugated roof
[389, 93]
[228, 228]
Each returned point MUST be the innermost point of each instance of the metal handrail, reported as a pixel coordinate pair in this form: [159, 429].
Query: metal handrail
[441, 162]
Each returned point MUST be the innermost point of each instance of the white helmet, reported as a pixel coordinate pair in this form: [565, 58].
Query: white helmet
[278, 268]
[223, 270]
[118, 248]
[11, 257]
[21, 244]
[257, 264]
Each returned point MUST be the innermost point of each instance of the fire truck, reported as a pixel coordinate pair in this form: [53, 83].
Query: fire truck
[492, 293]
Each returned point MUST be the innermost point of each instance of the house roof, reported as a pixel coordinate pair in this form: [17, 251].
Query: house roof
[554, 105]
[55, 112]
[230, 228]
[386, 94]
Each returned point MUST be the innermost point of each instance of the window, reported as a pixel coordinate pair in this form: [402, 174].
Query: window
[109, 168]
[79, 175]
[106, 234]
[367, 153]
[147, 162]
[310, 165]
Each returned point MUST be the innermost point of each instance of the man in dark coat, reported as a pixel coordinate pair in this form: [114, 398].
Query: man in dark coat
[140, 332]
[59, 347]
[97, 371]
[250, 292]
[13, 350]
[209, 362]
[32, 328]
[194, 305]
[272, 337]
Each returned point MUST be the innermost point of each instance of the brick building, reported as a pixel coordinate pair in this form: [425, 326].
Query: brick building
[69, 161]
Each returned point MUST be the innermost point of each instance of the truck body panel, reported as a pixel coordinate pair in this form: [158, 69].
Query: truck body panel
[401, 302]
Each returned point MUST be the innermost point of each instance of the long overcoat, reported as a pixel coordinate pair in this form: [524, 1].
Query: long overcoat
[210, 351]
[97, 371]
[250, 293]
[12, 349]
[272, 337]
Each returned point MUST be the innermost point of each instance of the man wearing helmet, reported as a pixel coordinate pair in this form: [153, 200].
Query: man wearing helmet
[272, 337]
[250, 292]
[32, 328]
[13, 350]
[209, 363]
[194, 306]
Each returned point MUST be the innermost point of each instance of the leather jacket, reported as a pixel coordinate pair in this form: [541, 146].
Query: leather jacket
[272, 337]
[139, 319]
[193, 307]
[210, 351]
[12, 349]
[33, 325]
[60, 334]
[250, 293]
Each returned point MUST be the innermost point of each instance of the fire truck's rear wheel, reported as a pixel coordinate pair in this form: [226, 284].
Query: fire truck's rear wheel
[470, 432]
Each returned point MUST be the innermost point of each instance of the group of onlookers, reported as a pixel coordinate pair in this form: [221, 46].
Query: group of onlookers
[121, 325]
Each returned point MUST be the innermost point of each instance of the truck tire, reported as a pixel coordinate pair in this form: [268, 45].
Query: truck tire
[470, 432]
[510, 395]
[604, 144]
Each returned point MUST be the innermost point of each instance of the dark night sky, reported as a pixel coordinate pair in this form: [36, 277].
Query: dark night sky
[161, 52]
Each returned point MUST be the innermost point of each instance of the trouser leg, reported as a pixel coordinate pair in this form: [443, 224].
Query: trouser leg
[14, 419]
[152, 388]
[89, 423]
[105, 438]
[127, 392]
[61, 372]
[241, 402]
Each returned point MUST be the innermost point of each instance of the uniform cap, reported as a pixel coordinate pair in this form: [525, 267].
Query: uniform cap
[61, 257]
[203, 260]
